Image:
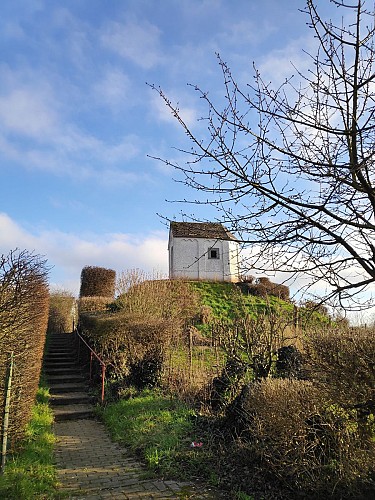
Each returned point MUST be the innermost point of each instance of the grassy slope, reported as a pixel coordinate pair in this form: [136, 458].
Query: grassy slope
[226, 302]
[226, 299]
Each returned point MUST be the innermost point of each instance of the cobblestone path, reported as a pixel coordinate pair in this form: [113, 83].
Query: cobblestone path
[90, 465]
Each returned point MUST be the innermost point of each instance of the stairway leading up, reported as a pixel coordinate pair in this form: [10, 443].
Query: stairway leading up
[70, 399]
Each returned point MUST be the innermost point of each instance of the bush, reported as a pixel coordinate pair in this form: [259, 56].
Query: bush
[253, 341]
[61, 311]
[145, 373]
[97, 282]
[294, 434]
[157, 298]
[93, 304]
[225, 387]
[263, 287]
[132, 345]
[290, 363]
[341, 361]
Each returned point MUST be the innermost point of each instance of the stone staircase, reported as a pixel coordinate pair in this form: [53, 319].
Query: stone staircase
[70, 399]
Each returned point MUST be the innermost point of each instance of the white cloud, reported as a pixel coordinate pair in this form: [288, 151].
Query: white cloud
[114, 89]
[35, 133]
[77, 164]
[138, 42]
[69, 253]
[28, 111]
[246, 32]
[279, 64]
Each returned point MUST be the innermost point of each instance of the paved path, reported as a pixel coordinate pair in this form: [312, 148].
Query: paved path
[90, 465]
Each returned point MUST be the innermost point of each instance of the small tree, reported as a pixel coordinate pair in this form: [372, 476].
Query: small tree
[291, 167]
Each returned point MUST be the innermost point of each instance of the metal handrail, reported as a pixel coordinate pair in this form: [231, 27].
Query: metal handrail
[92, 354]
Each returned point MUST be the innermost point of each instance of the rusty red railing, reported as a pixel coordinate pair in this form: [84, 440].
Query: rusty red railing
[92, 355]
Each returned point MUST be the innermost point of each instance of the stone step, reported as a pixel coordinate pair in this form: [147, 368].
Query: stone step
[59, 343]
[60, 336]
[70, 398]
[61, 347]
[59, 364]
[65, 379]
[60, 354]
[73, 412]
[61, 370]
[60, 359]
[71, 387]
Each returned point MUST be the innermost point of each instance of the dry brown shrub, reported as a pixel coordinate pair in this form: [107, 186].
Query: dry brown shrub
[206, 315]
[147, 319]
[277, 410]
[24, 301]
[93, 304]
[162, 298]
[97, 282]
[123, 340]
[341, 360]
[188, 373]
[254, 340]
[62, 305]
[295, 435]
[262, 287]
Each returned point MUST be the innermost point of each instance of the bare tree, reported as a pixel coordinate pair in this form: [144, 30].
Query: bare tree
[291, 168]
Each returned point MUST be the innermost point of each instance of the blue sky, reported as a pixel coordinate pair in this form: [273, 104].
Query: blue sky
[78, 122]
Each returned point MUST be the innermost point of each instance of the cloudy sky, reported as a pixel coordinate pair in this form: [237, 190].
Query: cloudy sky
[78, 121]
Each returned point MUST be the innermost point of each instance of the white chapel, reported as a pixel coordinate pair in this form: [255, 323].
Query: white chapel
[203, 251]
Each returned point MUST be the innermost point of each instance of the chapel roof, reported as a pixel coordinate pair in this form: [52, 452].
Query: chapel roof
[209, 230]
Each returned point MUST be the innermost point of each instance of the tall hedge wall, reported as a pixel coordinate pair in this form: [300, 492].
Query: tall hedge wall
[24, 301]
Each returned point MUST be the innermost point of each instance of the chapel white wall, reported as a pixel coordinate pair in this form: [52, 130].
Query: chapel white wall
[188, 258]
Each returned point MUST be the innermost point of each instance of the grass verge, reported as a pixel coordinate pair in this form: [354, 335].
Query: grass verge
[161, 431]
[29, 473]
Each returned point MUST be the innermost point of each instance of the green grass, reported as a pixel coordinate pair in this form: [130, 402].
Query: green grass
[227, 301]
[30, 474]
[160, 430]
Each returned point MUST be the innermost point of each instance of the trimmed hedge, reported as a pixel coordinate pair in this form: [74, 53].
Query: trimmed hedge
[97, 282]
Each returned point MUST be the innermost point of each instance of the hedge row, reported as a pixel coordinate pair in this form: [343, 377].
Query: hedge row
[24, 300]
